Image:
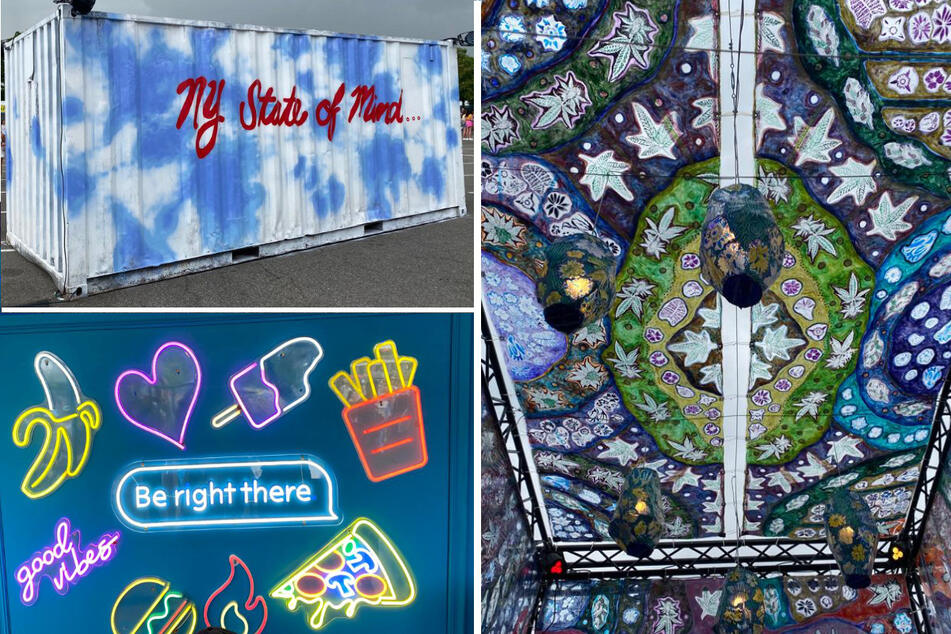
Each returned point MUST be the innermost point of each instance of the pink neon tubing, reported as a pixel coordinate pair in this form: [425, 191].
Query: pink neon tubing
[180, 443]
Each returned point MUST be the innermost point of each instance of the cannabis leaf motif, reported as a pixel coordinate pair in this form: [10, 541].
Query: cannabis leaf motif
[842, 352]
[815, 232]
[625, 363]
[687, 451]
[656, 411]
[632, 296]
[853, 299]
[657, 235]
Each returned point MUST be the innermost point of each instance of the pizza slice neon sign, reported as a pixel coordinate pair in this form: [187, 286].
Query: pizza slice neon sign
[360, 566]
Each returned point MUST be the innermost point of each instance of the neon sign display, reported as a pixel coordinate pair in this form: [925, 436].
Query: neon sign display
[162, 403]
[230, 613]
[64, 563]
[237, 493]
[360, 566]
[267, 389]
[383, 412]
[68, 420]
[167, 611]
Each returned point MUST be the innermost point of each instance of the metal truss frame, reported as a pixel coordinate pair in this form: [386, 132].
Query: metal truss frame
[698, 557]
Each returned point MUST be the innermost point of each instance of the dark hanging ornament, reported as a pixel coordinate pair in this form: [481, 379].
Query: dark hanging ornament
[741, 249]
[741, 610]
[852, 535]
[575, 281]
[638, 521]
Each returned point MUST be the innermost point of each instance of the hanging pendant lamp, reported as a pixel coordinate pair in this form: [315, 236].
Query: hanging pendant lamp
[852, 535]
[741, 610]
[638, 521]
[575, 281]
[741, 248]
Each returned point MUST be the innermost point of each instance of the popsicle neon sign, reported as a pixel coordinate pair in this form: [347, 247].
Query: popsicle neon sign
[227, 493]
[65, 563]
[68, 421]
[162, 403]
[360, 566]
[168, 611]
[230, 612]
[383, 412]
[267, 389]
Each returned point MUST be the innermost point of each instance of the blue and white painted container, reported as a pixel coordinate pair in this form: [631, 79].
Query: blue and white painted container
[105, 184]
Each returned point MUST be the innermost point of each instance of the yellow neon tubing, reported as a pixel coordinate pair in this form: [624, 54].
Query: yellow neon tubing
[115, 606]
[23, 429]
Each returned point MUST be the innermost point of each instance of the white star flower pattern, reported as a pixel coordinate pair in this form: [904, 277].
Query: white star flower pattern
[499, 128]
[629, 42]
[564, 102]
[604, 172]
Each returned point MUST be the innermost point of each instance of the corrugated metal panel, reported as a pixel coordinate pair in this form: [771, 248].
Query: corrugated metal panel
[136, 195]
[35, 221]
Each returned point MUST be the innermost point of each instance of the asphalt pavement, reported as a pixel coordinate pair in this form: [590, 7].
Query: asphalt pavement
[426, 266]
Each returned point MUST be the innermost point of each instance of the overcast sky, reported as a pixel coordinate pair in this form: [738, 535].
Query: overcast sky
[426, 19]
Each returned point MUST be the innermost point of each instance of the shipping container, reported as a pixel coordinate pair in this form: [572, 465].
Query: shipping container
[142, 148]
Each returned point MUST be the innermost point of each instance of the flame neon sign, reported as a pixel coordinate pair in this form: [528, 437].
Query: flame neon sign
[64, 563]
[360, 566]
[230, 612]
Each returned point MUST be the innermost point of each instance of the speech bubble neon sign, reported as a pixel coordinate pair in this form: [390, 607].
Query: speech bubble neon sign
[236, 493]
[64, 563]
[360, 566]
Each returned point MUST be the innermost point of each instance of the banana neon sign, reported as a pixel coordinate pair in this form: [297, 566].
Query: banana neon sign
[68, 420]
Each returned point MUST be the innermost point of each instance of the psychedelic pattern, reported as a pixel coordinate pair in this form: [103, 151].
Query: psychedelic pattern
[804, 605]
[934, 558]
[616, 134]
[620, 117]
[509, 578]
[828, 124]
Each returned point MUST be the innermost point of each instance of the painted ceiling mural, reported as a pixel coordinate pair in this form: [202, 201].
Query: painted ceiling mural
[592, 109]
[800, 605]
[857, 135]
[601, 116]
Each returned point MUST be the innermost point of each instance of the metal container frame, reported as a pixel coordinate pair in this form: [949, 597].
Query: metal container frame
[44, 226]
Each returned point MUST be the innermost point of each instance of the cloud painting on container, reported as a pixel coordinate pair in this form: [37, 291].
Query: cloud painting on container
[135, 194]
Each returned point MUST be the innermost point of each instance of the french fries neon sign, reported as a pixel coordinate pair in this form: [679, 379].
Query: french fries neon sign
[64, 563]
[383, 412]
[68, 422]
[360, 566]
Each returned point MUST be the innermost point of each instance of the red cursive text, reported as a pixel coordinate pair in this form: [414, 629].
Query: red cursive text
[291, 114]
[196, 87]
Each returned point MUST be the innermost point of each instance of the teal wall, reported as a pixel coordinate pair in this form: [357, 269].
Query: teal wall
[427, 513]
